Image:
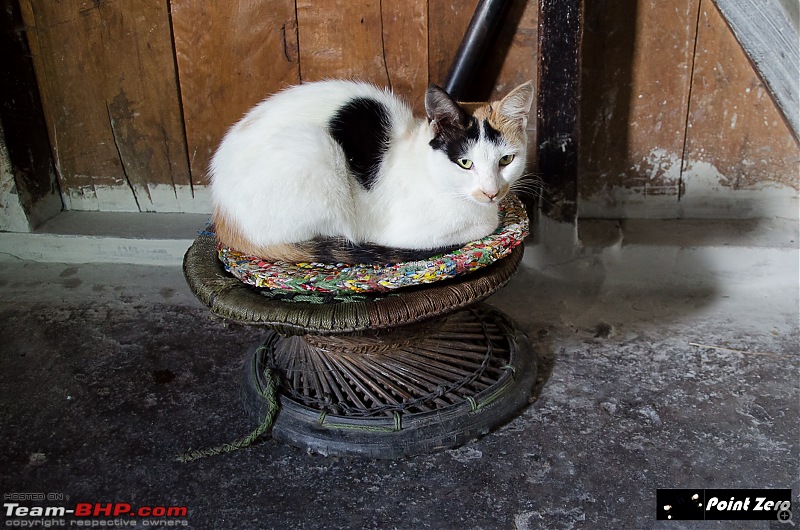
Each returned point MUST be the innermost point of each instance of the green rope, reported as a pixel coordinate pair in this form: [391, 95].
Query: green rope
[398, 424]
[270, 394]
[511, 369]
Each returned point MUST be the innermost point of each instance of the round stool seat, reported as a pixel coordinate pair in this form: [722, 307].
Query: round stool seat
[412, 371]
[234, 300]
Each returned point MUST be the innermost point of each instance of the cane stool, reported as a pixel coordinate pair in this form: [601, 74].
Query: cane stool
[402, 371]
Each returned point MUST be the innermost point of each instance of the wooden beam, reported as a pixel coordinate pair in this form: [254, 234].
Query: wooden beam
[557, 131]
[24, 145]
[769, 37]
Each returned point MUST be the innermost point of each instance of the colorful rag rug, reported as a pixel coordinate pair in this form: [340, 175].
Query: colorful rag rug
[341, 278]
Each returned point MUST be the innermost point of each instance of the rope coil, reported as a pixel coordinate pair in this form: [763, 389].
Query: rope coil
[270, 394]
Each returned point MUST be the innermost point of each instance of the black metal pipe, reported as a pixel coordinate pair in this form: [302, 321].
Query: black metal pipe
[473, 46]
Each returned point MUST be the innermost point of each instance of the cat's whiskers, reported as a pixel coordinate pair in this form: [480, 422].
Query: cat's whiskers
[529, 184]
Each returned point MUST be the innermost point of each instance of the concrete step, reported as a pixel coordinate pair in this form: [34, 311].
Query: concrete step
[629, 252]
[106, 237]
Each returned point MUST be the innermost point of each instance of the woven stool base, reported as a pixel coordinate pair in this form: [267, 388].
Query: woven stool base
[392, 393]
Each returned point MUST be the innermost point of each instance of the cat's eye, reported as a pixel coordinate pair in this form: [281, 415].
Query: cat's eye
[466, 163]
[506, 160]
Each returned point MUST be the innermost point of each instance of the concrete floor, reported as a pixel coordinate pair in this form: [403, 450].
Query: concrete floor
[664, 364]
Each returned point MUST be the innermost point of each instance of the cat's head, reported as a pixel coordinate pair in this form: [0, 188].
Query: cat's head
[483, 153]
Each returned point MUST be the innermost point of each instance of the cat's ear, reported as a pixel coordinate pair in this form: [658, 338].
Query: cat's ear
[443, 111]
[517, 104]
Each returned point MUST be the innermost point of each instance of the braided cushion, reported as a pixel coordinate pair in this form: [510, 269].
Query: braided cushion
[343, 279]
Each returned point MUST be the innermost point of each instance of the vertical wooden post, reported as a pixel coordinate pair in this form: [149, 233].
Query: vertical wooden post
[29, 193]
[557, 126]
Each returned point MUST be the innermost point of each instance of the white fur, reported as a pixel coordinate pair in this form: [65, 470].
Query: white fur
[282, 179]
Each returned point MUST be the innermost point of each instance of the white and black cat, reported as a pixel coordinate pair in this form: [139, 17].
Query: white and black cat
[341, 171]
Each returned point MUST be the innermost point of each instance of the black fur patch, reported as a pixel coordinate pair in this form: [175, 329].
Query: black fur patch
[490, 133]
[361, 127]
[337, 250]
[454, 141]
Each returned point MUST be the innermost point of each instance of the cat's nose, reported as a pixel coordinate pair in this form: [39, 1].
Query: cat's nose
[490, 196]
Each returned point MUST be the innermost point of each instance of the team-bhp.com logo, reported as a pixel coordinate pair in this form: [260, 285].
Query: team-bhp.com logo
[725, 504]
[92, 514]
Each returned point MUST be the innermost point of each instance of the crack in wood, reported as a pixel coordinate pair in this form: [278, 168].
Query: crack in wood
[383, 46]
[283, 42]
[181, 110]
[297, 40]
[683, 166]
[119, 153]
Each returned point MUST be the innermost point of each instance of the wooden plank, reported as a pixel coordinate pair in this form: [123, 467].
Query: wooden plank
[74, 119]
[557, 131]
[341, 39]
[637, 61]
[230, 56]
[741, 157]
[769, 38]
[405, 42]
[107, 78]
[13, 218]
[447, 22]
[513, 59]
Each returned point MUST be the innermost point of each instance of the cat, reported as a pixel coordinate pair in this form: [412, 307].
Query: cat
[341, 171]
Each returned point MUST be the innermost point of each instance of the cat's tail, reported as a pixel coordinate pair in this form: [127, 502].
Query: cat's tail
[342, 251]
[337, 250]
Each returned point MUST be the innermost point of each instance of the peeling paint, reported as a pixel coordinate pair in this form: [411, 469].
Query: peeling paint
[119, 198]
[715, 194]
[12, 215]
[562, 141]
[706, 192]
[662, 169]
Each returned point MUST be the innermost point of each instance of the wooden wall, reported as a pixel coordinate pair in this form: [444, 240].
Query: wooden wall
[136, 94]
[107, 77]
[675, 120]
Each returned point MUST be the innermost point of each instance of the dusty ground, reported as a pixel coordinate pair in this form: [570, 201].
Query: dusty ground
[110, 371]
